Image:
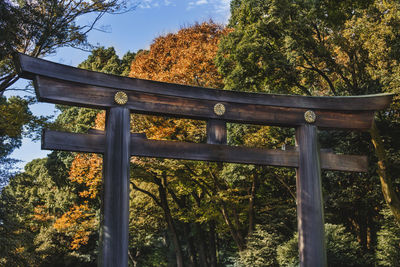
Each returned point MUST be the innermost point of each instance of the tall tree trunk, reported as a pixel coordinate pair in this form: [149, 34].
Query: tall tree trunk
[235, 231]
[171, 226]
[190, 244]
[252, 198]
[389, 193]
[212, 248]
[237, 237]
[201, 246]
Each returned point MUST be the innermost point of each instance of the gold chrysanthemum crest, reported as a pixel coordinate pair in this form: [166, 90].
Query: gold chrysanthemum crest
[310, 116]
[219, 109]
[121, 98]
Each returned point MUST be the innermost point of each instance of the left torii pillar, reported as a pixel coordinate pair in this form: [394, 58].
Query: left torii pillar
[115, 200]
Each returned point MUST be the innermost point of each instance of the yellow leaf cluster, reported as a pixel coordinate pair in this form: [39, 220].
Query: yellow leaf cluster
[78, 223]
[185, 57]
[87, 169]
[41, 214]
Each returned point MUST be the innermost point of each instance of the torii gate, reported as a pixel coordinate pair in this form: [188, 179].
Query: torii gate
[119, 96]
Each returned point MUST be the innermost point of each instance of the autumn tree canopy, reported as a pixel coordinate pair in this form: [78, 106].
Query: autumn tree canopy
[186, 57]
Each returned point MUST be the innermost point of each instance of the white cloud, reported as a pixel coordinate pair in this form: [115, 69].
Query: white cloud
[155, 3]
[145, 4]
[201, 2]
[222, 6]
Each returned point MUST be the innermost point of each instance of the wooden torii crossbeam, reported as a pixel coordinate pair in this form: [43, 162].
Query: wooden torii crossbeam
[119, 96]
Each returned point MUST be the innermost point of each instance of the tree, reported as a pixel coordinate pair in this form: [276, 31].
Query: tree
[327, 48]
[185, 57]
[342, 249]
[206, 197]
[29, 205]
[39, 28]
[388, 248]
[261, 249]
[106, 60]
[16, 122]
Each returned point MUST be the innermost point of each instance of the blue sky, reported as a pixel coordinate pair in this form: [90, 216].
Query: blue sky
[128, 32]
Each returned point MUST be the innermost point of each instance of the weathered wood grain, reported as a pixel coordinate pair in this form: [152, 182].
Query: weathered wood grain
[310, 211]
[115, 200]
[29, 67]
[140, 146]
[71, 93]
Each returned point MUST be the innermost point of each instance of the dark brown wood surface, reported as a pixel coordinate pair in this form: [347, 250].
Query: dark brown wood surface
[115, 200]
[310, 211]
[216, 132]
[140, 146]
[71, 93]
[29, 67]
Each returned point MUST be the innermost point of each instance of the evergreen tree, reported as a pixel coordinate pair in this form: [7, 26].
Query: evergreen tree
[326, 48]
[388, 248]
[342, 249]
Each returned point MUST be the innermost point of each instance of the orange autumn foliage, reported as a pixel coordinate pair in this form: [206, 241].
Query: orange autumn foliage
[186, 57]
[78, 223]
[41, 214]
[86, 169]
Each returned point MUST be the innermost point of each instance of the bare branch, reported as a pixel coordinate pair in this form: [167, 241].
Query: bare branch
[30, 91]
[8, 82]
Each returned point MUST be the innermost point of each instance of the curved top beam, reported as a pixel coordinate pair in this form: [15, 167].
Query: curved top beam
[29, 67]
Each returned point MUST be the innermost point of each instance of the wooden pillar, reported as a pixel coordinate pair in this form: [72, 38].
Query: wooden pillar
[115, 228]
[310, 213]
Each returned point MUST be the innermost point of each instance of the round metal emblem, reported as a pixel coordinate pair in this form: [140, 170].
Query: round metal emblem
[121, 98]
[219, 109]
[310, 116]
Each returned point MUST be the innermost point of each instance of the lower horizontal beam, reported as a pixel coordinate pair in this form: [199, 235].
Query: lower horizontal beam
[140, 146]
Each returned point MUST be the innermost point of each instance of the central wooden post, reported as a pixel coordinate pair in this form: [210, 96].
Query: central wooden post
[115, 228]
[310, 212]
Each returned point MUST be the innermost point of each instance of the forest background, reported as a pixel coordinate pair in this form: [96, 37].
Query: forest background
[185, 213]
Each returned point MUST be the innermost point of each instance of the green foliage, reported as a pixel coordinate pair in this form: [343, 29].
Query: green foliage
[261, 249]
[106, 60]
[28, 207]
[288, 253]
[341, 246]
[388, 248]
[38, 28]
[323, 48]
[16, 122]
[311, 47]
